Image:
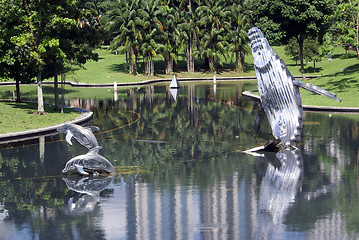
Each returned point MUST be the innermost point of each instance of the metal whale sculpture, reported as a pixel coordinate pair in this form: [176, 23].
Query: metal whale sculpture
[84, 135]
[280, 98]
[90, 162]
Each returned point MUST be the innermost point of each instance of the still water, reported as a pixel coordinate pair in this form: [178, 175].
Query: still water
[182, 173]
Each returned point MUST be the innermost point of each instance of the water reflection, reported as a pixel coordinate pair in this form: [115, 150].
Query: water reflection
[88, 185]
[195, 183]
[88, 189]
[174, 92]
[278, 191]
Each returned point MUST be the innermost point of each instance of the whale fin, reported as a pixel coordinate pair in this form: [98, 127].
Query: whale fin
[95, 149]
[315, 89]
[68, 137]
[258, 121]
[81, 170]
[271, 146]
[93, 128]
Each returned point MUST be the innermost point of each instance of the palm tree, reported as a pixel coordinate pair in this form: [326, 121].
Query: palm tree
[214, 25]
[123, 25]
[149, 26]
[188, 31]
[168, 17]
[237, 36]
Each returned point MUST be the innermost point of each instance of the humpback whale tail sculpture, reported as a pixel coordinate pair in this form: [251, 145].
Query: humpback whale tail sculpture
[280, 98]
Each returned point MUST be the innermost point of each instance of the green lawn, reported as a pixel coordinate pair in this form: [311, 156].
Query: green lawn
[17, 117]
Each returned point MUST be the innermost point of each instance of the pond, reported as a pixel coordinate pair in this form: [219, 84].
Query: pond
[182, 173]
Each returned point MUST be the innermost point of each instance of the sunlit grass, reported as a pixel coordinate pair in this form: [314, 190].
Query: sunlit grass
[17, 117]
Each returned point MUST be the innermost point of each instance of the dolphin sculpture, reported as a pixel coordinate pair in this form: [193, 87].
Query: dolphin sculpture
[279, 94]
[84, 135]
[90, 162]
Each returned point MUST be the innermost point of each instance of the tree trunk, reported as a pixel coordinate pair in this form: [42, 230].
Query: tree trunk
[241, 57]
[212, 63]
[237, 61]
[40, 99]
[134, 65]
[152, 66]
[300, 43]
[130, 61]
[206, 63]
[147, 68]
[18, 98]
[56, 87]
[169, 65]
[190, 57]
[357, 34]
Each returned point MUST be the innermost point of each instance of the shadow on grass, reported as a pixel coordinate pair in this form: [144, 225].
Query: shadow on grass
[311, 69]
[179, 66]
[343, 80]
[30, 108]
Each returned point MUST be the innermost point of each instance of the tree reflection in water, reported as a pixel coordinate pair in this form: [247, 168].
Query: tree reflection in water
[195, 183]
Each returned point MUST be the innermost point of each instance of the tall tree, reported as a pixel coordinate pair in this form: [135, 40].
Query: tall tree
[150, 33]
[168, 17]
[78, 30]
[40, 19]
[237, 35]
[124, 26]
[299, 19]
[214, 27]
[188, 30]
[347, 24]
[15, 59]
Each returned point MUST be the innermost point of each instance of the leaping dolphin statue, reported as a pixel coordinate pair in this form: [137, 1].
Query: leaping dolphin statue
[279, 94]
[90, 162]
[84, 135]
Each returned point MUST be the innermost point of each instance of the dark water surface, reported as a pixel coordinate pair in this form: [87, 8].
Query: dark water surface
[182, 173]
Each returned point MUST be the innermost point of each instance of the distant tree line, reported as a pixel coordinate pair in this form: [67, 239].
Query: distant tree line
[210, 30]
[44, 38]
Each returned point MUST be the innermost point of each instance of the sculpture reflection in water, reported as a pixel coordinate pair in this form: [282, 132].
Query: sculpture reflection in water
[88, 189]
[279, 94]
[278, 191]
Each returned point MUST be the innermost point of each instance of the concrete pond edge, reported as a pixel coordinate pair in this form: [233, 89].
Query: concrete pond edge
[45, 131]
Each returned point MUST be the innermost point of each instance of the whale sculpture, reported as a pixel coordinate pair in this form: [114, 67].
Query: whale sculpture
[279, 94]
[90, 162]
[84, 135]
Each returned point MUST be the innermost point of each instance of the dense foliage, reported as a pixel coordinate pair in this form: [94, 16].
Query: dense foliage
[42, 38]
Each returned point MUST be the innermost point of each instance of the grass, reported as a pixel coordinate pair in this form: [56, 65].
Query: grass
[111, 68]
[17, 117]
